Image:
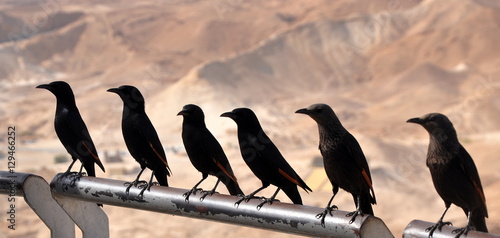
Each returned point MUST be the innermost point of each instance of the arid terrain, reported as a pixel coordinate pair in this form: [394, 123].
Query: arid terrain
[377, 63]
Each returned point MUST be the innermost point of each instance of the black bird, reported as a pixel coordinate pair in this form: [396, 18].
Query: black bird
[205, 152]
[141, 138]
[264, 159]
[453, 173]
[71, 129]
[344, 161]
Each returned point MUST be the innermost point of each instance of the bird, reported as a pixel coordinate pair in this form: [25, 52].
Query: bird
[205, 152]
[454, 174]
[71, 129]
[264, 159]
[344, 161]
[141, 138]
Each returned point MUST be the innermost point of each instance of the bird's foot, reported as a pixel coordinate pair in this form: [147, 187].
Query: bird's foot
[245, 198]
[69, 173]
[207, 193]
[461, 231]
[266, 200]
[439, 225]
[75, 176]
[323, 214]
[142, 183]
[192, 191]
[82, 173]
[144, 187]
[134, 183]
[354, 215]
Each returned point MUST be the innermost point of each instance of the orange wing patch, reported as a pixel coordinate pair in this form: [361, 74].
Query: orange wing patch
[367, 178]
[480, 192]
[289, 177]
[161, 157]
[224, 170]
[90, 152]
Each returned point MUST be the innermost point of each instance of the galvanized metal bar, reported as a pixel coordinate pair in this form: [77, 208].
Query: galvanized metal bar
[283, 217]
[89, 217]
[416, 229]
[38, 196]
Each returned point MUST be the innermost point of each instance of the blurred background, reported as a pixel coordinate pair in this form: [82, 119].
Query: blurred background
[377, 63]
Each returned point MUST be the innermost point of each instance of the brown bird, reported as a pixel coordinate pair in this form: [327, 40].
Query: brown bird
[344, 161]
[453, 173]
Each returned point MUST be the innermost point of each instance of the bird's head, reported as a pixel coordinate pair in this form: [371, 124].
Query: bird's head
[241, 115]
[321, 113]
[130, 95]
[60, 89]
[191, 111]
[437, 124]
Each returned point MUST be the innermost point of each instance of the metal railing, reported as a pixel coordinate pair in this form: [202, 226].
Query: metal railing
[72, 200]
[416, 229]
[36, 193]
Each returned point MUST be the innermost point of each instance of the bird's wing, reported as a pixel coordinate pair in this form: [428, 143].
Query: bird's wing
[359, 158]
[266, 148]
[148, 133]
[213, 149]
[79, 130]
[470, 170]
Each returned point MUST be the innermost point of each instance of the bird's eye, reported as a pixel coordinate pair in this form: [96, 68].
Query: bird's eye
[319, 110]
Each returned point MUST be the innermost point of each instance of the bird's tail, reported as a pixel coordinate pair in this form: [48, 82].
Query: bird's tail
[89, 167]
[161, 176]
[293, 194]
[365, 201]
[477, 219]
[232, 186]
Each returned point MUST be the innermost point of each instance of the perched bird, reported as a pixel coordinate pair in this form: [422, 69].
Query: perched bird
[205, 152]
[264, 159]
[71, 129]
[344, 161]
[141, 138]
[453, 173]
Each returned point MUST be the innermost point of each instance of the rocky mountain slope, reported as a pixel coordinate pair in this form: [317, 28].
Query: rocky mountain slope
[377, 63]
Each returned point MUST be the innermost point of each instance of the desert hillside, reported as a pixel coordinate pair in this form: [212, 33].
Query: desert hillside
[377, 63]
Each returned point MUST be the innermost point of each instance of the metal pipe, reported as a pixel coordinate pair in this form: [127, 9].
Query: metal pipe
[416, 229]
[36, 193]
[283, 217]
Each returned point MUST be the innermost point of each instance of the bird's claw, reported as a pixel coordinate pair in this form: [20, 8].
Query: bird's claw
[142, 184]
[144, 188]
[134, 183]
[439, 225]
[461, 231]
[75, 177]
[243, 197]
[207, 193]
[354, 215]
[323, 214]
[266, 200]
[188, 193]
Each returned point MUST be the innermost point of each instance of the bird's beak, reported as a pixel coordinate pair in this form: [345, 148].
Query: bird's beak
[415, 120]
[183, 113]
[46, 86]
[114, 90]
[228, 114]
[302, 111]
